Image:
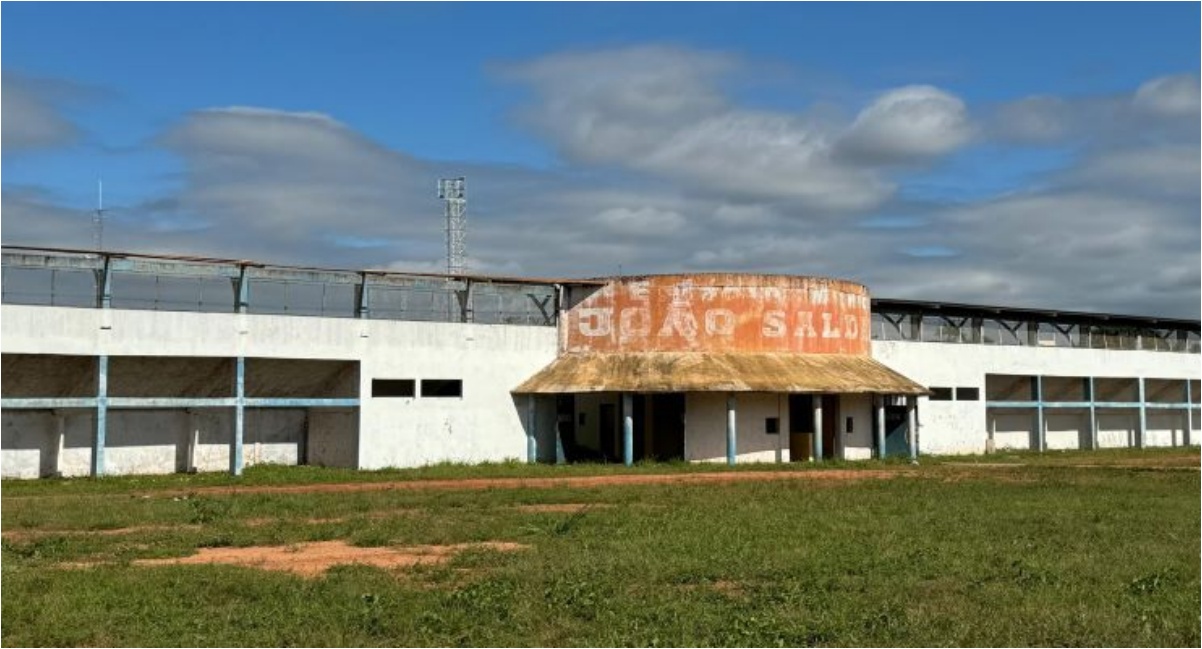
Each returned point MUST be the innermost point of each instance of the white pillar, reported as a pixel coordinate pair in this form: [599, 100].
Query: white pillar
[816, 443]
[880, 426]
[732, 441]
[627, 428]
[912, 426]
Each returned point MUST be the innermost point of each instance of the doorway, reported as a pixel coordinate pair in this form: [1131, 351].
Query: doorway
[801, 427]
[896, 425]
[667, 426]
[830, 426]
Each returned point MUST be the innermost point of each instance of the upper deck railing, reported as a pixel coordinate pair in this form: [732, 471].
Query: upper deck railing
[990, 325]
[75, 278]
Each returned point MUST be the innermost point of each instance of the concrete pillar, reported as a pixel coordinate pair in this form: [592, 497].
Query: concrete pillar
[58, 441]
[102, 414]
[239, 415]
[1093, 414]
[780, 431]
[912, 426]
[816, 443]
[1188, 439]
[193, 441]
[880, 426]
[1143, 415]
[991, 441]
[627, 428]
[531, 432]
[732, 441]
[1037, 395]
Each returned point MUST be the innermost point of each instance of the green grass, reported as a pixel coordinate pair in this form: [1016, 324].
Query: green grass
[1041, 553]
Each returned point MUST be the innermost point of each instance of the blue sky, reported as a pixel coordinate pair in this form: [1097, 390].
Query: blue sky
[933, 150]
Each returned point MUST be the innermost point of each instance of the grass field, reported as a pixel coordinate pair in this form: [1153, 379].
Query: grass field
[1088, 548]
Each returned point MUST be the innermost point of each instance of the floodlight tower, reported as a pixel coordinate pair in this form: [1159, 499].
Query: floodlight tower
[98, 218]
[454, 195]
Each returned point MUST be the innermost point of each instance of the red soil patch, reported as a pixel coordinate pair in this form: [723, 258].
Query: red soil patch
[477, 484]
[313, 559]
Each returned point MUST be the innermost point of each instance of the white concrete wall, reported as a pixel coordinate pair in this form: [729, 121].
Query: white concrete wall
[858, 444]
[962, 427]
[705, 427]
[485, 424]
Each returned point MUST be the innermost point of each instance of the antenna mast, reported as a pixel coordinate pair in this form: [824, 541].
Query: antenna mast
[454, 196]
[98, 218]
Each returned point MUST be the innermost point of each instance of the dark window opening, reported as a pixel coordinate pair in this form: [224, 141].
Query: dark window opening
[442, 388]
[849, 429]
[392, 387]
[968, 394]
[941, 394]
[772, 426]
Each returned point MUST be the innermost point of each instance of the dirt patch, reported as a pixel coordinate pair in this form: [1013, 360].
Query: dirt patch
[313, 559]
[585, 482]
[561, 508]
[33, 533]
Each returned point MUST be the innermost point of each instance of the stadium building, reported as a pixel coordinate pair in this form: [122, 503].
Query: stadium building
[126, 363]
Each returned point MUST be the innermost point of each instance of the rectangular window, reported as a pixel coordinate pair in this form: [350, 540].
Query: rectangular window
[392, 387]
[968, 394]
[772, 426]
[442, 388]
[941, 394]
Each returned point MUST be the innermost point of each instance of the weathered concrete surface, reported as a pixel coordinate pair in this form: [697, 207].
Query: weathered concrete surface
[721, 313]
[47, 375]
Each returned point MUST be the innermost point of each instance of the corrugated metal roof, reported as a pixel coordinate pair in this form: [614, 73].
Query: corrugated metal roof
[721, 372]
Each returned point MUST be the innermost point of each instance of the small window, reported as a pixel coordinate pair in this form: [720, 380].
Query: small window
[850, 428]
[772, 426]
[392, 387]
[968, 394]
[941, 394]
[442, 388]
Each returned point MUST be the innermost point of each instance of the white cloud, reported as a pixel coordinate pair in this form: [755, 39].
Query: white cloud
[908, 124]
[33, 118]
[661, 110]
[1175, 95]
[640, 221]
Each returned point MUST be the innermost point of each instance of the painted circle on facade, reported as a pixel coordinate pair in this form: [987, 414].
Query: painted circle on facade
[721, 313]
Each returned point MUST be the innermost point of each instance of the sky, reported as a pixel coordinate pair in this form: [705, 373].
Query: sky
[1038, 155]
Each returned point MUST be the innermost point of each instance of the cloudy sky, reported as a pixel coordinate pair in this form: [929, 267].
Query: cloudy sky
[1025, 155]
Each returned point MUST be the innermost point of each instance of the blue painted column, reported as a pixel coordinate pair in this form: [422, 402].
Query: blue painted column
[531, 431]
[912, 426]
[816, 441]
[239, 415]
[1037, 394]
[102, 414]
[1093, 414]
[1143, 415]
[1188, 439]
[627, 428]
[732, 441]
[880, 426]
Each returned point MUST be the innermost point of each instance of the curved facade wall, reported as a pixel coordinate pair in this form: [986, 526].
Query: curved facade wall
[721, 313]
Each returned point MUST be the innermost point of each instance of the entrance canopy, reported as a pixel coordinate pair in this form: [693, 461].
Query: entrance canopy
[717, 372]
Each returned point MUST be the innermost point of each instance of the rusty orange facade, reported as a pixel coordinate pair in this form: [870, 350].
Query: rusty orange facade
[721, 313]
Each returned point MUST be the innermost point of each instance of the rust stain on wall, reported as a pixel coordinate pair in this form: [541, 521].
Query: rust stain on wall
[721, 313]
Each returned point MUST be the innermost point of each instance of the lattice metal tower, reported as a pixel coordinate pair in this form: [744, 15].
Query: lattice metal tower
[98, 218]
[454, 195]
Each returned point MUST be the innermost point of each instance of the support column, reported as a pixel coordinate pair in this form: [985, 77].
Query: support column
[880, 426]
[627, 428]
[1037, 393]
[731, 429]
[912, 426]
[1188, 438]
[193, 441]
[531, 430]
[816, 442]
[102, 414]
[1143, 415]
[1093, 414]
[239, 415]
[57, 443]
[991, 443]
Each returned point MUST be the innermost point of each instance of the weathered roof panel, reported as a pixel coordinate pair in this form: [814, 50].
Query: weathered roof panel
[717, 372]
